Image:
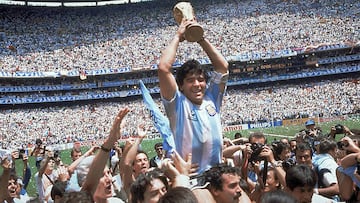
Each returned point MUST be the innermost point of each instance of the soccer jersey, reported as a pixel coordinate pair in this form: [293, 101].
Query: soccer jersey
[197, 128]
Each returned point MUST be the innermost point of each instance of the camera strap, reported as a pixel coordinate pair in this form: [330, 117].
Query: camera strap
[52, 182]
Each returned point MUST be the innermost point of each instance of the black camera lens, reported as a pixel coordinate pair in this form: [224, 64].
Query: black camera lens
[339, 129]
[56, 154]
[340, 145]
[256, 148]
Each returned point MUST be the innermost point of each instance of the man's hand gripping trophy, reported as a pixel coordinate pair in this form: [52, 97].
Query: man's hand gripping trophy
[184, 11]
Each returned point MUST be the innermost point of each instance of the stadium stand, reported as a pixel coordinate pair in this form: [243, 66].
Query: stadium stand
[75, 59]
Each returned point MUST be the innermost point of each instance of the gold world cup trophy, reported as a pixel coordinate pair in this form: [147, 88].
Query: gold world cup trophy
[194, 32]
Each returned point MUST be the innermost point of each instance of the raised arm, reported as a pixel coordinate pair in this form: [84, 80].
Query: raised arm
[129, 158]
[44, 163]
[98, 165]
[75, 163]
[280, 172]
[167, 81]
[4, 178]
[217, 59]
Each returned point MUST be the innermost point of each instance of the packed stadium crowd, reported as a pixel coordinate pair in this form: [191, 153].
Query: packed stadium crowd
[56, 39]
[88, 122]
[311, 167]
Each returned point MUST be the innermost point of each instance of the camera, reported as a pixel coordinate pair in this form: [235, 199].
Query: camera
[339, 129]
[341, 145]
[288, 163]
[21, 154]
[256, 148]
[56, 154]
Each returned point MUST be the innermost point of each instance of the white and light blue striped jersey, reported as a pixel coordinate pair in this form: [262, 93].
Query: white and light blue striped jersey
[197, 129]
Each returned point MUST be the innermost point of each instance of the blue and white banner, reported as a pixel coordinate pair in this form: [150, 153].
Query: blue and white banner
[159, 120]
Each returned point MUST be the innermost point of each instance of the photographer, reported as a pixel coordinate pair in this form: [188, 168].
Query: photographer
[311, 129]
[250, 166]
[348, 181]
[39, 152]
[281, 150]
[339, 129]
[46, 176]
[21, 154]
[272, 174]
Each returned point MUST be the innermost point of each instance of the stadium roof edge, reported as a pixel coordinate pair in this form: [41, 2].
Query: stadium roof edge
[66, 3]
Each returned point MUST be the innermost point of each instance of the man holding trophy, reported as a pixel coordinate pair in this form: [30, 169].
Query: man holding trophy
[193, 99]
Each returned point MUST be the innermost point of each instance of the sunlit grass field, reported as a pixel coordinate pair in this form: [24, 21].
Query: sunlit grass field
[147, 145]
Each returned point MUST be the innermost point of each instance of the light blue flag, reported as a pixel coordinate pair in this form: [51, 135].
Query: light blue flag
[159, 120]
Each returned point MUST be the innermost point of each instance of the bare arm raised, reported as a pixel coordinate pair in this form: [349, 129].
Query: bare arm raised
[166, 79]
[98, 165]
[167, 82]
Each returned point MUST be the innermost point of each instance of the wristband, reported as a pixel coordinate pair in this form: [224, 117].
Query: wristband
[219, 77]
[225, 77]
[276, 164]
[104, 148]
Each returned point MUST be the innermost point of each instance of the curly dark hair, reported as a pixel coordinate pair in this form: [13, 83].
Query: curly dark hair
[190, 67]
[138, 187]
[214, 175]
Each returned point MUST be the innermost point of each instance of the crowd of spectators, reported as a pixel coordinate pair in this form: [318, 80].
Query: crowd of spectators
[312, 167]
[325, 98]
[44, 39]
[88, 122]
[66, 39]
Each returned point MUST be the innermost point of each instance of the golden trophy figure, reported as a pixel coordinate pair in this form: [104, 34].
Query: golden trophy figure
[194, 32]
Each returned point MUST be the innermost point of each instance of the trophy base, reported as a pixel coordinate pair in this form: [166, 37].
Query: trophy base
[194, 33]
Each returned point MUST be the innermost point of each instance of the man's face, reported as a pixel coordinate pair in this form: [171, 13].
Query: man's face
[303, 194]
[104, 187]
[285, 154]
[271, 182]
[50, 165]
[293, 145]
[304, 157]
[76, 155]
[159, 151]
[141, 164]
[257, 140]
[155, 191]
[13, 188]
[194, 87]
[231, 190]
